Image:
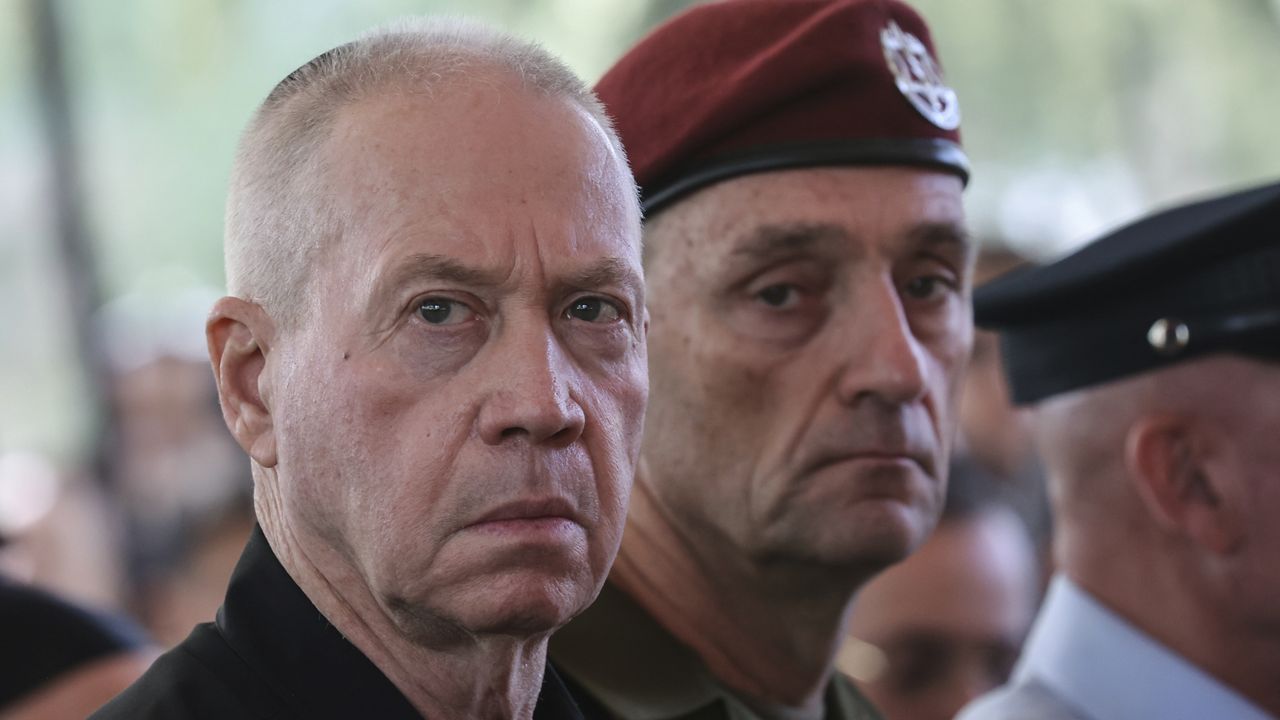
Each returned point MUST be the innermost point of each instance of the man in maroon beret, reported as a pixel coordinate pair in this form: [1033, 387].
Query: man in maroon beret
[809, 281]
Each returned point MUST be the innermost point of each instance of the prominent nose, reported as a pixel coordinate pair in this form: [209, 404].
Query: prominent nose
[532, 397]
[883, 357]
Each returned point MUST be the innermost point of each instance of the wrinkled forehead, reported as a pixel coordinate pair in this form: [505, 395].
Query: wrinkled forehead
[470, 145]
[473, 171]
[893, 208]
[485, 135]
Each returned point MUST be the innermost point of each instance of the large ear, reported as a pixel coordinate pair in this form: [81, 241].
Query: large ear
[239, 334]
[1169, 459]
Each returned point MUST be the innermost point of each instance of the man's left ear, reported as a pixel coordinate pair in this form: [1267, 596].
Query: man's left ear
[1170, 459]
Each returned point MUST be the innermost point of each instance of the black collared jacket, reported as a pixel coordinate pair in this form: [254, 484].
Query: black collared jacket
[271, 654]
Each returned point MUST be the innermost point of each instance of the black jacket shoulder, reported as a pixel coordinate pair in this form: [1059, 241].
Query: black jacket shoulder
[200, 679]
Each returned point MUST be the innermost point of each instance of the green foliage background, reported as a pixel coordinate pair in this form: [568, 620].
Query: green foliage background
[1077, 115]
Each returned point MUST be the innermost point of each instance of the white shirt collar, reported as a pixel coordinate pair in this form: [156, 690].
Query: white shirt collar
[1111, 670]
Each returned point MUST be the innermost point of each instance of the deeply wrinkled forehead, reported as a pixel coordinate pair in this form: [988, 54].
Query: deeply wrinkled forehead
[486, 142]
[488, 174]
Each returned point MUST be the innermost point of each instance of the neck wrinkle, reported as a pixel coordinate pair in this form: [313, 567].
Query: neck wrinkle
[768, 633]
[490, 678]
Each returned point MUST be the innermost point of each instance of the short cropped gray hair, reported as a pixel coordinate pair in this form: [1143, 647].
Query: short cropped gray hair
[278, 217]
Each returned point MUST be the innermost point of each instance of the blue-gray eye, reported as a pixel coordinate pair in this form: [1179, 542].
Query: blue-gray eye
[593, 310]
[442, 311]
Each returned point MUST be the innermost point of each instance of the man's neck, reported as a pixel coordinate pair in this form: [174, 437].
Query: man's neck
[1248, 662]
[768, 633]
[479, 677]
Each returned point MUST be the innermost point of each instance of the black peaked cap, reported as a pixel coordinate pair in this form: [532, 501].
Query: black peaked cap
[1192, 280]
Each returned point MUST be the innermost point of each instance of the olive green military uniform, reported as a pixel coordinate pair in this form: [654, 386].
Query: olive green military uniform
[620, 663]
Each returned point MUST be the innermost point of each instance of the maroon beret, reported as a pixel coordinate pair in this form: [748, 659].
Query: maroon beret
[743, 86]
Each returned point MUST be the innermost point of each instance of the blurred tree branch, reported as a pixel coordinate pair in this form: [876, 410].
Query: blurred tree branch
[75, 257]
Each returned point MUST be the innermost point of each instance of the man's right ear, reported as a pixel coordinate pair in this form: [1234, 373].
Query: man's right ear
[1168, 457]
[239, 334]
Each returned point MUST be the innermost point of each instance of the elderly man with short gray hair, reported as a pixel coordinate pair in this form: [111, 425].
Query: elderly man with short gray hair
[434, 355]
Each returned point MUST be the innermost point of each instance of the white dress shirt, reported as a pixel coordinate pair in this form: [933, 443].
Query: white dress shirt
[1104, 668]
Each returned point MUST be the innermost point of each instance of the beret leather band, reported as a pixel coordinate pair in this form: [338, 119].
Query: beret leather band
[929, 152]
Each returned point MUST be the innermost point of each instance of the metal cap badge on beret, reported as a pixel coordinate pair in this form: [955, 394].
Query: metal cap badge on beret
[743, 86]
[1197, 279]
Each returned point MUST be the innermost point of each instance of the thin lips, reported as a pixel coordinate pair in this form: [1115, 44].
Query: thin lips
[531, 509]
[922, 459]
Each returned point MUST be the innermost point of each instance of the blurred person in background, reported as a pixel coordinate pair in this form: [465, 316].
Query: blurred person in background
[61, 531]
[433, 352]
[1152, 361]
[809, 274]
[64, 647]
[944, 626]
[59, 660]
[995, 435]
[189, 591]
[179, 472]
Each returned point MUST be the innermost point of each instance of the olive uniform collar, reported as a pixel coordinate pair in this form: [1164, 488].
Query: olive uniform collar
[631, 665]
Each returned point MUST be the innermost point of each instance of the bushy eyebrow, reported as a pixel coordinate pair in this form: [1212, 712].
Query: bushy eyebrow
[426, 266]
[606, 272]
[440, 267]
[610, 271]
[935, 234]
[771, 241]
